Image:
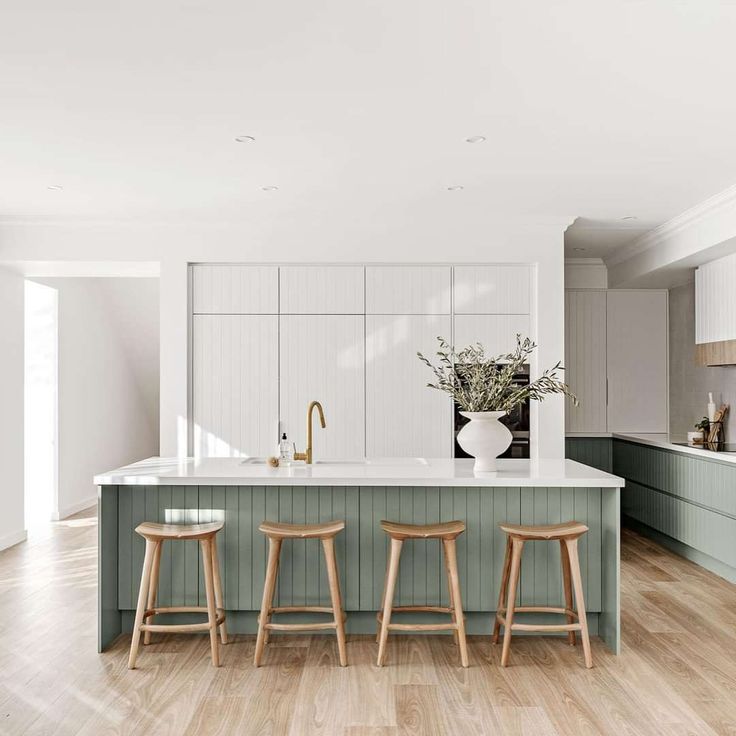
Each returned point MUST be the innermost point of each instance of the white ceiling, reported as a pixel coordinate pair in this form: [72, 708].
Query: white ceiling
[587, 238]
[361, 109]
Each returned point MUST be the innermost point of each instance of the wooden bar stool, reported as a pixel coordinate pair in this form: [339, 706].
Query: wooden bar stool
[448, 532]
[276, 533]
[155, 535]
[567, 534]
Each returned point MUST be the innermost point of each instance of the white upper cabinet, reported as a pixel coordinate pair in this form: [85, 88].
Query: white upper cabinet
[234, 289]
[496, 332]
[323, 359]
[235, 402]
[492, 289]
[715, 301]
[322, 290]
[585, 360]
[407, 289]
[636, 329]
[403, 416]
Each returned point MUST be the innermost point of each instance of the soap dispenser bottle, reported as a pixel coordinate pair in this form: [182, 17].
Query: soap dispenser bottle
[286, 450]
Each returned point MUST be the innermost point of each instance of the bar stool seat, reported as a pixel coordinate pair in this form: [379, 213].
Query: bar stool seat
[447, 532]
[567, 534]
[178, 531]
[155, 535]
[548, 532]
[301, 531]
[276, 533]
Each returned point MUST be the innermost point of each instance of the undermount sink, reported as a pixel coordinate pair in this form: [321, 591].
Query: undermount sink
[301, 464]
[389, 462]
[342, 462]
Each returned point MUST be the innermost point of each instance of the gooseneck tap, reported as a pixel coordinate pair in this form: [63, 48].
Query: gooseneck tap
[307, 456]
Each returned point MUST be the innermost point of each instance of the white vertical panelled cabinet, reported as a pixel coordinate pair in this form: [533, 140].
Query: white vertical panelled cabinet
[403, 416]
[496, 332]
[322, 357]
[234, 385]
[715, 301]
[585, 360]
[492, 289]
[407, 289]
[637, 340]
[322, 290]
[266, 340]
[234, 289]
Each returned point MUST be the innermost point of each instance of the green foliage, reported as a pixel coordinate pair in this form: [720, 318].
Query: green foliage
[478, 382]
[703, 424]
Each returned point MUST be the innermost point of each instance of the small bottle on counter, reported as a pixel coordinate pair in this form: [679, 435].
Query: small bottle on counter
[286, 450]
[711, 408]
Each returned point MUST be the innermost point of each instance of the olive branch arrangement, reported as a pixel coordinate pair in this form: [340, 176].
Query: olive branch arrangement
[478, 382]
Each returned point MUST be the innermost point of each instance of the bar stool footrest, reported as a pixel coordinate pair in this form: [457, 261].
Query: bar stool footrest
[415, 609]
[309, 626]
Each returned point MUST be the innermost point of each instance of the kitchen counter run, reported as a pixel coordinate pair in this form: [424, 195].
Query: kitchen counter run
[373, 472]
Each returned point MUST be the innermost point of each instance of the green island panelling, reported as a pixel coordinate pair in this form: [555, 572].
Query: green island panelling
[361, 548]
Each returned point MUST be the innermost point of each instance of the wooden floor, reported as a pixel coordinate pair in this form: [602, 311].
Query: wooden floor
[677, 673]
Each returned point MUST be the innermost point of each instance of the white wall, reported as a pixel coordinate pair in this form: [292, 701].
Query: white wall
[689, 381]
[451, 233]
[585, 273]
[12, 297]
[108, 380]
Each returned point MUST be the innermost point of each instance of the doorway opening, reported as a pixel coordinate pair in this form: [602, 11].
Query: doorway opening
[41, 391]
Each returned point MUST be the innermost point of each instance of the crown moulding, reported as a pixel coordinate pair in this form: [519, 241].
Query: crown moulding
[715, 205]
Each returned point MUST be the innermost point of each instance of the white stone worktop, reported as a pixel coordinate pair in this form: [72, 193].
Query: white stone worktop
[371, 472]
[665, 441]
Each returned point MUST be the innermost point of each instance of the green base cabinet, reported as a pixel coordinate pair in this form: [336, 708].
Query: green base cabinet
[686, 502]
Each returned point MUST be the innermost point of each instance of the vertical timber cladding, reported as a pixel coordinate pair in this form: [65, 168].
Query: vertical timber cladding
[687, 498]
[594, 451]
[361, 548]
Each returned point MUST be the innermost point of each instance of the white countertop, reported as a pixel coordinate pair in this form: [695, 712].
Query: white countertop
[372, 472]
[665, 441]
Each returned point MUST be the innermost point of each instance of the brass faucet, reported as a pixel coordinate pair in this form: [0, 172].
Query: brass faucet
[307, 456]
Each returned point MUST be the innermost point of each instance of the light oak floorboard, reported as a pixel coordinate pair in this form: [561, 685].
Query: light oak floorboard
[676, 675]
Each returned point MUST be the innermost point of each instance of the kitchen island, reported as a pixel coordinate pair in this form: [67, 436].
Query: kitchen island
[243, 493]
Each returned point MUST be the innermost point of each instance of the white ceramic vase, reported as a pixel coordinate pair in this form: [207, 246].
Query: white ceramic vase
[484, 437]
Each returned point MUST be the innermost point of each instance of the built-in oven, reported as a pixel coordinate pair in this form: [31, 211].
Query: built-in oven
[517, 421]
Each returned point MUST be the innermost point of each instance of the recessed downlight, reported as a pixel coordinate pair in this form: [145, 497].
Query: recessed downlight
[578, 250]
[55, 187]
[475, 139]
[629, 217]
[245, 139]
[455, 188]
[270, 189]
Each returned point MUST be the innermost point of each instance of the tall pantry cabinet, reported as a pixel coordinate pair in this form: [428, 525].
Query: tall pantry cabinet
[616, 359]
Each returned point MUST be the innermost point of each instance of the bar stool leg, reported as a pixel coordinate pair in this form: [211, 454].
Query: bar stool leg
[457, 615]
[451, 599]
[503, 590]
[153, 588]
[219, 602]
[328, 544]
[142, 599]
[517, 546]
[572, 551]
[274, 549]
[383, 600]
[565, 560]
[209, 587]
[393, 569]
